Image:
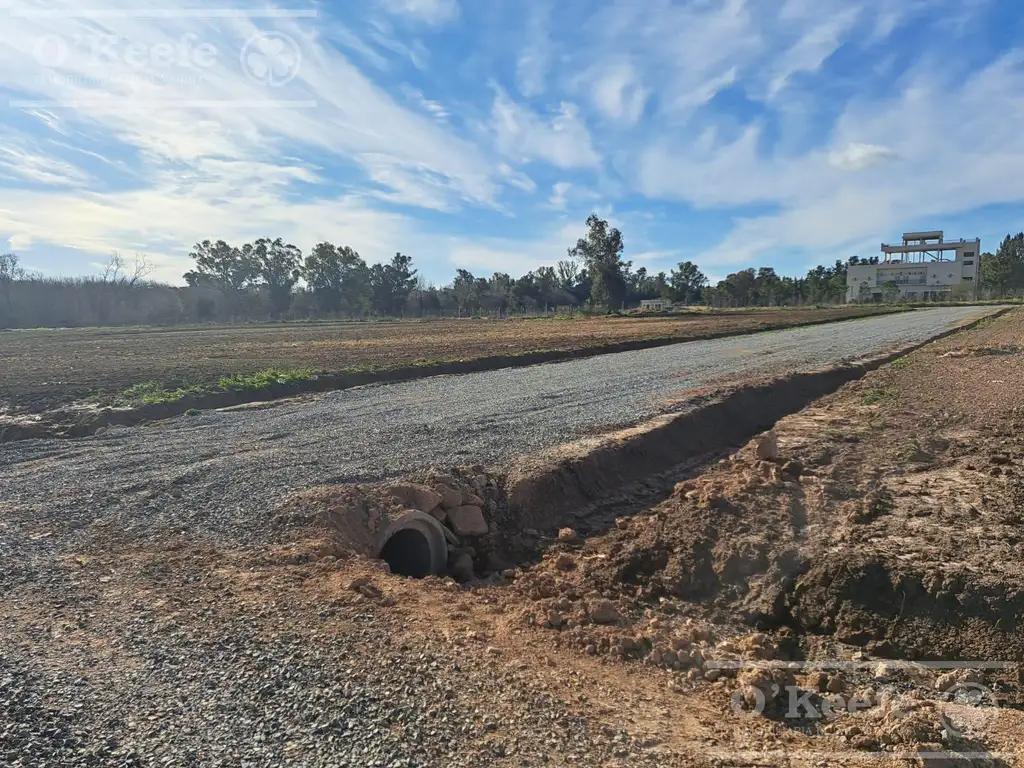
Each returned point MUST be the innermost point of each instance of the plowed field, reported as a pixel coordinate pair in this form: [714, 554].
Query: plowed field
[48, 367]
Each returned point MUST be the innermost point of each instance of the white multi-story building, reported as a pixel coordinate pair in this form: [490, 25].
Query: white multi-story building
[921, 268]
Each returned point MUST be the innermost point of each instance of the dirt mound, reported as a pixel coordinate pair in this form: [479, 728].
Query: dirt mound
[885, 516]
[906, 612]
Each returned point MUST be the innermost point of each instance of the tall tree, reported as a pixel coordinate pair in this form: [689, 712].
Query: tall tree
[742, 287]
[464, 288]
[767, 286]
[568, 273]
[391, 284]
[277, 266]
[338, 277]
[10, 268]
[687, 281]
[228, 268]
[1003, 272]
[601, 252]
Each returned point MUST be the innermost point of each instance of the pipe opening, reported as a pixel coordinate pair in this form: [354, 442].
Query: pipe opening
[408, 553]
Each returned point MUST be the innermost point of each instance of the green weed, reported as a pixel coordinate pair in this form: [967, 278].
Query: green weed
[152, 393]
[877, 395]
[242, 382]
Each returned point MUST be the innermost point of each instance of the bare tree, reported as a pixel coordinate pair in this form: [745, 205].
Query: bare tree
[141, 270]
[112, 272]
[116, 269]
[10, 269]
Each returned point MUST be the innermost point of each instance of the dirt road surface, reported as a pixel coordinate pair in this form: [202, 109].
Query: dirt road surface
[143, 623]
[240, 461]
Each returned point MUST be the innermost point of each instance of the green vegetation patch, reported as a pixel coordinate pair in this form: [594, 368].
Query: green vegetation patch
[153, 393]
[878, 395]
[245, 382]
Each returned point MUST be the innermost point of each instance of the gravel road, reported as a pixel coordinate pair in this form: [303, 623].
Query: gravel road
[123, 642]
[240, 461]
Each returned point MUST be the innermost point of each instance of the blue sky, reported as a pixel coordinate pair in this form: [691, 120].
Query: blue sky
[481, 133]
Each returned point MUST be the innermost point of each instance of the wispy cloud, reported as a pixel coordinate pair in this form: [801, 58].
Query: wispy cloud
[429, 11]
[34, 164]
[857, 157]
[563, 140]
[618, 93]
[416, 97]
[774, 131]
[535, 57]
[559, 195]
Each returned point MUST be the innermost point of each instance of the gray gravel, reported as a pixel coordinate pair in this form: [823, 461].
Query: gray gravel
[212, 471]
[93, 673]
[222, 690]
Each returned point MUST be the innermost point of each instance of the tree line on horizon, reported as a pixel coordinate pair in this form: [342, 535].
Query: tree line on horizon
[271, 279]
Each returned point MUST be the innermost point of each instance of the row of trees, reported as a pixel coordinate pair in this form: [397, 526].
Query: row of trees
[615, 285]
[270, 278]
[1002, 272]
[338, 278]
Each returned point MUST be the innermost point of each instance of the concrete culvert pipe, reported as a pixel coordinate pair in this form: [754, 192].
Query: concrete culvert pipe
[413, 544]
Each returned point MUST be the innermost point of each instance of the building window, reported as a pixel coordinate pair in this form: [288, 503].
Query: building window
[968, 263]
[968, 279]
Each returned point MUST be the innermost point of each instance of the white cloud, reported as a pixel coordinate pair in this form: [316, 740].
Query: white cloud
[805, 167]
[435, 108]
[186, 120]
[430, 11]
[618, 93]
[654, 261]
[683, 53]
[535, 58]
[384, 37]
[559, 193]
[485, 256]
[20, 161]
[812, 48]
[166, 220]
[857, 157]
[516, 178]
[564, 141]
[825, 208]
[354, 43]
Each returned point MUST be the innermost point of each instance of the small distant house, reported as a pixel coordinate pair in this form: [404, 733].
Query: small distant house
[655, 305]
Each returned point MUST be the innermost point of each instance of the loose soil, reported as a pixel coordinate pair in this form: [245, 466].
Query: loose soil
[871, 533]
[883, 522]
[866, 547]
[44, 368]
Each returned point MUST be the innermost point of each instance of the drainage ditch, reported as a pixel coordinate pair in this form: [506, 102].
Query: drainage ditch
[469, 523]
